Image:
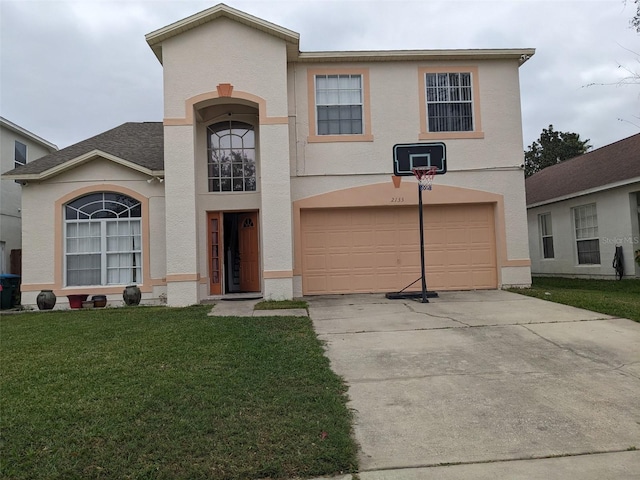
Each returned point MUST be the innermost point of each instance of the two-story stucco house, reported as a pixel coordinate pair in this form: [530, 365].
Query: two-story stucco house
[18, 146]
[271, 173]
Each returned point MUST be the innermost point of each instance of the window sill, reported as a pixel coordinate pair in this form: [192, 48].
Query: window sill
[449, 135]
[339, 138]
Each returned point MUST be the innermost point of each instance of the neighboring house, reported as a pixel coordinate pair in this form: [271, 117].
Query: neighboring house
[270, 174]
[17, 147]
[580, 209]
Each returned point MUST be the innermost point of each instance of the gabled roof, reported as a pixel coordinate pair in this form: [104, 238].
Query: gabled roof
[137, 145]
[155, 38]
[607, 167]
[27, 134]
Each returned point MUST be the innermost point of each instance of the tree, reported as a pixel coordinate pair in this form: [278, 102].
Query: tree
[635, 21]
[553, 147]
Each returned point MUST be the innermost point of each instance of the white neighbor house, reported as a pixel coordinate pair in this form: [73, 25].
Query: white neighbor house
[579, 210]
[18, 147]
[271, 173]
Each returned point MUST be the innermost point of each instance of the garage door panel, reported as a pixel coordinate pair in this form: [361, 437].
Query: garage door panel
[377, 249]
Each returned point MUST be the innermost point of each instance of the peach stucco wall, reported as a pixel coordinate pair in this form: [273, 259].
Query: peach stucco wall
[225, 64]
[486, 161]
[43, 250]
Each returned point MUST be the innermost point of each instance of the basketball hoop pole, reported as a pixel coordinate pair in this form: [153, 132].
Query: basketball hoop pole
[424, 277]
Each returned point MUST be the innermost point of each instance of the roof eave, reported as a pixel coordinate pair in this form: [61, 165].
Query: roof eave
[77, 161]
[26, 133]
[155, 38]
[582, 193]
[519, 54]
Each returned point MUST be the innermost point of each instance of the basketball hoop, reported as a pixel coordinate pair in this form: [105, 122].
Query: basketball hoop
[425, 176]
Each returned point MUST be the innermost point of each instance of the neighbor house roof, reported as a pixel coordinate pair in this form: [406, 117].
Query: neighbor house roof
[136, 145]
[607, 167]
[27, 134]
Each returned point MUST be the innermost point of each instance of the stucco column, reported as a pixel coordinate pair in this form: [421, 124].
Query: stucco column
[181, 230]
[275, 185]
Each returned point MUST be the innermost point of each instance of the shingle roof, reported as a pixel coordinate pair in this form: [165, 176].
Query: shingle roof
[607, 165]
[139, 143]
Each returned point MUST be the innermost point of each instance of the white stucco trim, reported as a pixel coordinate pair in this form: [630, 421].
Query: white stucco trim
[601, 188]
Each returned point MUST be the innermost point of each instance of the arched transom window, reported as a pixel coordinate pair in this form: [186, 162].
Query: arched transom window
[231, 157]
[103, 244]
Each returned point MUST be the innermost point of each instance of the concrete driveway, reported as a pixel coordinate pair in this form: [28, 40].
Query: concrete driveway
[486, 385]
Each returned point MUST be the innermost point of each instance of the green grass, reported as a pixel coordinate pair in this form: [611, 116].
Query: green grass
[280, 304]
[611, 297]
[162, 393]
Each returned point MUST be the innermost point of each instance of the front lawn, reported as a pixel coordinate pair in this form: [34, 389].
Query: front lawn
[162, 393]
[611, 297]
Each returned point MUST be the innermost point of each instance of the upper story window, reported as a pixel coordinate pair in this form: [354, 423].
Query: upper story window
[339, 105]
[103, 243]
[231, 148]
[449, 103]
[546, 235]
[587, 241]
[20, 156]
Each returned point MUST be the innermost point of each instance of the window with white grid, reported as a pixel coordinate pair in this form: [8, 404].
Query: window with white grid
[586, 228]
[546, 235]
[449, 99]
[339, 104]
[103, 240]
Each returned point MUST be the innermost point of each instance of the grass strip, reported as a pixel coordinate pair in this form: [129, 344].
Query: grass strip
[611, 297]
[163, 393]
[281, 304]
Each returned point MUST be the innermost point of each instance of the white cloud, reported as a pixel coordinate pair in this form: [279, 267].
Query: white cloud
[71, 69]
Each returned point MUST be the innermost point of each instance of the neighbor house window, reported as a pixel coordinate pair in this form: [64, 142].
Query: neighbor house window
[449, 103]
[103, 243]
[339, 104]
[546, 234]
[20, 155]
[231, 157]
[587, 242]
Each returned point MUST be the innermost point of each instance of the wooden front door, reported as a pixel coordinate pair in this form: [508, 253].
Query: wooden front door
[248, 249]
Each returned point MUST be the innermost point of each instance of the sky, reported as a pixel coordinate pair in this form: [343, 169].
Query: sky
[72, 69]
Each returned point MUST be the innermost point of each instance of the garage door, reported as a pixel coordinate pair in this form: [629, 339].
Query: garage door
[360, 250]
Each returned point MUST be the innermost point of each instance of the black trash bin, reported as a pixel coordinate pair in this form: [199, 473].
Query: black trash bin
[10, 294]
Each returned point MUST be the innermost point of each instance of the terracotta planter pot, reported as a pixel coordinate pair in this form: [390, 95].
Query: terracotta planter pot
[75, 301]
[46, 300]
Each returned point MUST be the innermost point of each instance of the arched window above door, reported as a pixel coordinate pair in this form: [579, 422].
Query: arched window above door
[231, 163]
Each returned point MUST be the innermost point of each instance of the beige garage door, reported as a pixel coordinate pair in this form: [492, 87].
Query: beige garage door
[360, 250]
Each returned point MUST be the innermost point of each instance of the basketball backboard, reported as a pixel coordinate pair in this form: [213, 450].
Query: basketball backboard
[406, 157]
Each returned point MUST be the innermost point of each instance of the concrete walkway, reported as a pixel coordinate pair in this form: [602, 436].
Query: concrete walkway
[486, 385]
[245, 308]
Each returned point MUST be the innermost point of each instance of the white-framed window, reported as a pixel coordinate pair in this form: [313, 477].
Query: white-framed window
[546, 235]
[20, 154]
[103, 240]
[587, 241]
[231, 163]
[339, 104]
[449, 98]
